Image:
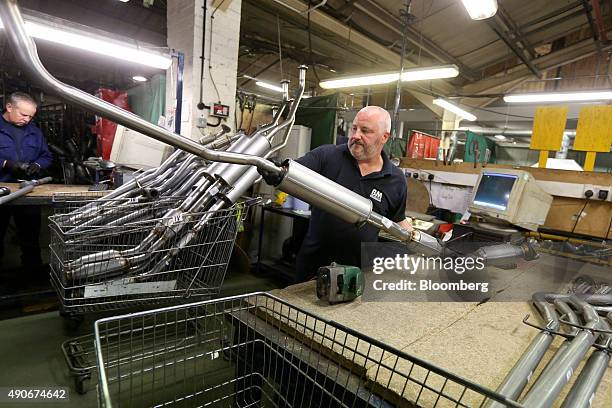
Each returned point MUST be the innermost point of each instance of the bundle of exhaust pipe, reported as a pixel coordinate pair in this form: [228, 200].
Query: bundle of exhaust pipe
[207, 187]
[587, 319]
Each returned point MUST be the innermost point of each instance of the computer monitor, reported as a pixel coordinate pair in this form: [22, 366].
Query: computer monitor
[510, 196]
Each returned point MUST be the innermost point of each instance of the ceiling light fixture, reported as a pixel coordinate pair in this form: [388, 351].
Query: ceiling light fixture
[269, 86]
[455, 109]
[139, 78]
[500, 137]
[99, 45]
[559, 97]
[480, 9]
[414, 74]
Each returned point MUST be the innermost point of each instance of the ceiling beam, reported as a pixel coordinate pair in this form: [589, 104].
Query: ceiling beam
[564, 56]
[496, 24]
[394, 23]
[516, 31]
[352, 39]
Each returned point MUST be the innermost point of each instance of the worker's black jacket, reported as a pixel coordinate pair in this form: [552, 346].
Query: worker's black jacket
[331, 239]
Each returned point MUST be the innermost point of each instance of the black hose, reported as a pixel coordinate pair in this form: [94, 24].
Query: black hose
[201, 105]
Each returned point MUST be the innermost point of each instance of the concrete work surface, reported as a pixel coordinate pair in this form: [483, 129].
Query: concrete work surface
[477, 341]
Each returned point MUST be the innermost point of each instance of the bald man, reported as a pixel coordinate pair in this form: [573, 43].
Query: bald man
[362, 166]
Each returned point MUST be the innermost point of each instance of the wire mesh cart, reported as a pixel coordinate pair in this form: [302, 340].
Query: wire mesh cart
[128, 253]
[258, 350]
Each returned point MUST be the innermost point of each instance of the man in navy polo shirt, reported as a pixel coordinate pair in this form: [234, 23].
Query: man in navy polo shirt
[362, 166]
[23, 154]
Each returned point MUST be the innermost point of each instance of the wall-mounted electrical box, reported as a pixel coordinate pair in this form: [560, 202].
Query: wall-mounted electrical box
[220, 111]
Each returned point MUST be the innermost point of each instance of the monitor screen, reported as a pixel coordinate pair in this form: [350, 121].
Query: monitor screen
[494, 190]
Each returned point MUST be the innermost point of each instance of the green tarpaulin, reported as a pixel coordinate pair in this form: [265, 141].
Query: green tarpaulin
[319, 114]
[148, 100]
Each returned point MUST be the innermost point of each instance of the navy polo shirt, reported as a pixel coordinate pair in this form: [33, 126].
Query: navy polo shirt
[330, 239]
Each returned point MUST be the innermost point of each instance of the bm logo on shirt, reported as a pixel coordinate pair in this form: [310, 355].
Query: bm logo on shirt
[376, 195]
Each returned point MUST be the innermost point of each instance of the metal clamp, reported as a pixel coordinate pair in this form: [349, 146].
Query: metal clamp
[585, 327]
[546, 329]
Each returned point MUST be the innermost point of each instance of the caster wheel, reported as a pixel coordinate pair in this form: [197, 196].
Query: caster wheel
[72, 322]
[81, 384]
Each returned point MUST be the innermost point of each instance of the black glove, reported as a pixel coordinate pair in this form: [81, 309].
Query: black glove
[21, 168]
[15, 166]
[272, 178]
[32, 169]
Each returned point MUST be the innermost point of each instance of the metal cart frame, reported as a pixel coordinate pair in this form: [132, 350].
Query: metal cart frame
[258, 350]
[194, 272]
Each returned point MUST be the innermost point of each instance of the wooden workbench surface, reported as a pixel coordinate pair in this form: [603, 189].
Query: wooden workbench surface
[480, 342]
[47, 190]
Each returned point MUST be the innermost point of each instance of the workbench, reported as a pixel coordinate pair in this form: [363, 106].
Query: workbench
[477, 341]
[43, 194]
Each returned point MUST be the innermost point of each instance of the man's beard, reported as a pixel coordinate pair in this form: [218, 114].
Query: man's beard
[366, 151]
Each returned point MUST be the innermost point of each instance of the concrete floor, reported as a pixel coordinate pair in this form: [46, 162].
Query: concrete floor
[32, 331]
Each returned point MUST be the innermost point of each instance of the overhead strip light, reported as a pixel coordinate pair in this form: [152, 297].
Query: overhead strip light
[414, 74]
[99, 45]
[559, 97]
[455, 109]
[269, 86]
[480, 9]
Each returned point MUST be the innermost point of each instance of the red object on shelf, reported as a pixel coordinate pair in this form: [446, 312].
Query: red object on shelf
[444, 228]
[105, 129]
[422, 146]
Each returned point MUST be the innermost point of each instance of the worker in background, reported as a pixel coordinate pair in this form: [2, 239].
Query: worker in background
[362, 166]
[24, 154]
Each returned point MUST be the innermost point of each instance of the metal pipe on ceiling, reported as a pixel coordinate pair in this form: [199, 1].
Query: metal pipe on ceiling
[589, 16]
[495, 24]
[311, 9]
[603, 36]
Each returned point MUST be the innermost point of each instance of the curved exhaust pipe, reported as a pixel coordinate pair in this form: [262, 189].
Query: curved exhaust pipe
[25, 52]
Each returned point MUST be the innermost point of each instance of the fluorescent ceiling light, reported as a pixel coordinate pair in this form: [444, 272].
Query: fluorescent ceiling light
[99, 45]
[414, 74]
[269, 86]
[500, 137]
[559, 97]
[480, 9]
[420, 74]
[139, 78]
[455, 109]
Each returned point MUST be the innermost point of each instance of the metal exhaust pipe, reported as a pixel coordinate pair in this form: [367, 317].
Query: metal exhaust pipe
[523, 369]
[582, 392]
[548, 387]
[26, 55]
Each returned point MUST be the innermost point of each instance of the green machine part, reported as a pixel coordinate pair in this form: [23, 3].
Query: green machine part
[339, 283]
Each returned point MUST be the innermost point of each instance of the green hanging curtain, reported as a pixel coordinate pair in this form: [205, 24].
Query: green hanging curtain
[148, 100]
[319, 114]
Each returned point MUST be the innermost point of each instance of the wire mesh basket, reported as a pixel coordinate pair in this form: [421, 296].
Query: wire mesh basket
[112, 254]
[258, 350]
